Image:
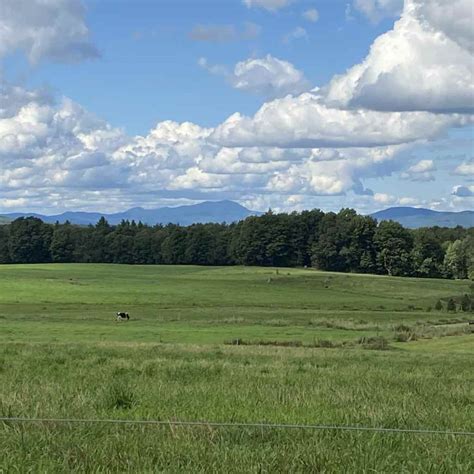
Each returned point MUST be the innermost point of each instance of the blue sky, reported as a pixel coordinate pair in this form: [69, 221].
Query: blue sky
[97, 104]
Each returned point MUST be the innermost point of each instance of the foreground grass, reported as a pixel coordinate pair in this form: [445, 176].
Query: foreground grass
[236, 384]
[63, 356]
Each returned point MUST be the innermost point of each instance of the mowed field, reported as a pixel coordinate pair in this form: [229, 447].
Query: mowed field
[315, 348]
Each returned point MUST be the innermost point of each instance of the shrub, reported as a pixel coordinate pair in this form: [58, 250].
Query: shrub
[438, 305]
[451, 305]
[466, 303]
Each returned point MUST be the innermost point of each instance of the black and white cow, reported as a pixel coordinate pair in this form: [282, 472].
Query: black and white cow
[122, 316]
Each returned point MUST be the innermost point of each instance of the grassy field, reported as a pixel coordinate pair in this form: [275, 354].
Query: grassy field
[63, 355]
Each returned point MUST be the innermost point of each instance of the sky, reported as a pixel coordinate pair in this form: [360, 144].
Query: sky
[281, 104]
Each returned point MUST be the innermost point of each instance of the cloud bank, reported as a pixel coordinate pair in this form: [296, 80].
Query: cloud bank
[413, 86]
[52, 29]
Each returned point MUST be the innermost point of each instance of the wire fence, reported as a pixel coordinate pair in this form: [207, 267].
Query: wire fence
[215, 424]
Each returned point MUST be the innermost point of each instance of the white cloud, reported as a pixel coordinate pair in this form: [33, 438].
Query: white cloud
[49, 151]
[465, 169]
[422, 167]
[270, 5]
[452, 18]
[317, 174]
[424, 63]
[385, 199]
[311, 15]
[376, 10]
[296, 34]
[306, 122]
[421, 171]
[463, 191]
[291, 151]
[268, 76]
[43, 145]
[52, 29]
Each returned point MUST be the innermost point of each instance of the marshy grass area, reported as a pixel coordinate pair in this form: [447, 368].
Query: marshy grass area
[232, 345]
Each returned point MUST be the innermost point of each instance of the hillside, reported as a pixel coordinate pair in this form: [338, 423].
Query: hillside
[210, 211]
[229, 211]
[418, 217]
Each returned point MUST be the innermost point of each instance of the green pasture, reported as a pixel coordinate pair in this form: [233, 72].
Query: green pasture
[63, 355]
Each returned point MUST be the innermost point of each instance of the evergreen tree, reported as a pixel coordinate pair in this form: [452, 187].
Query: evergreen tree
[4, 251]
[29, 240]
[62, 243]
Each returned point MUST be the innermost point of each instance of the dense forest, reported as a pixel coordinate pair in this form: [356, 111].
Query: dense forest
[342, 242]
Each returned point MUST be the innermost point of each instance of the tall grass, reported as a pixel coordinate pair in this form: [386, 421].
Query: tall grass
[62, 355]
[239, 384]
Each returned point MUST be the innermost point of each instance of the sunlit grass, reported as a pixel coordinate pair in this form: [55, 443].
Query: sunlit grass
[62, 355]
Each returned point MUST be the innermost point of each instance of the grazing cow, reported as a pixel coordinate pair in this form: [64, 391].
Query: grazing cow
[122, 316]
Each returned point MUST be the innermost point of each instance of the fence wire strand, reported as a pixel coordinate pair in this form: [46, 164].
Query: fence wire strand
[215, 424]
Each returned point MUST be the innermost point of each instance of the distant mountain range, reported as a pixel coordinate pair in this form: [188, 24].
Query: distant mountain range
[219, 211]
[414, 217]
[229, 211]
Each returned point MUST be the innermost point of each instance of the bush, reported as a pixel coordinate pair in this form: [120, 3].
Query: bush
[438, 305]
[466, 303]
[451, 305]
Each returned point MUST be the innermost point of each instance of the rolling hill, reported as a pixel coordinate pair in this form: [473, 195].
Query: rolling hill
[210, 211]
[413, 217]
[229, 211]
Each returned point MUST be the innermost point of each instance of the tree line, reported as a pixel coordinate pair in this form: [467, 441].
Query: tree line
[341, 242]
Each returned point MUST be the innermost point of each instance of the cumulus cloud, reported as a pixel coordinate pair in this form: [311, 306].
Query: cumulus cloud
[51, 150]
[270, 5]
[385, 199]
[325, 142]
[306, 122]
[333, 173]
[268, 76]
[421, 171]
[52, 29]
[376, 10]
[311, 15]
[424, 63]
[463, 191]
[43, 144]
[465, 169]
